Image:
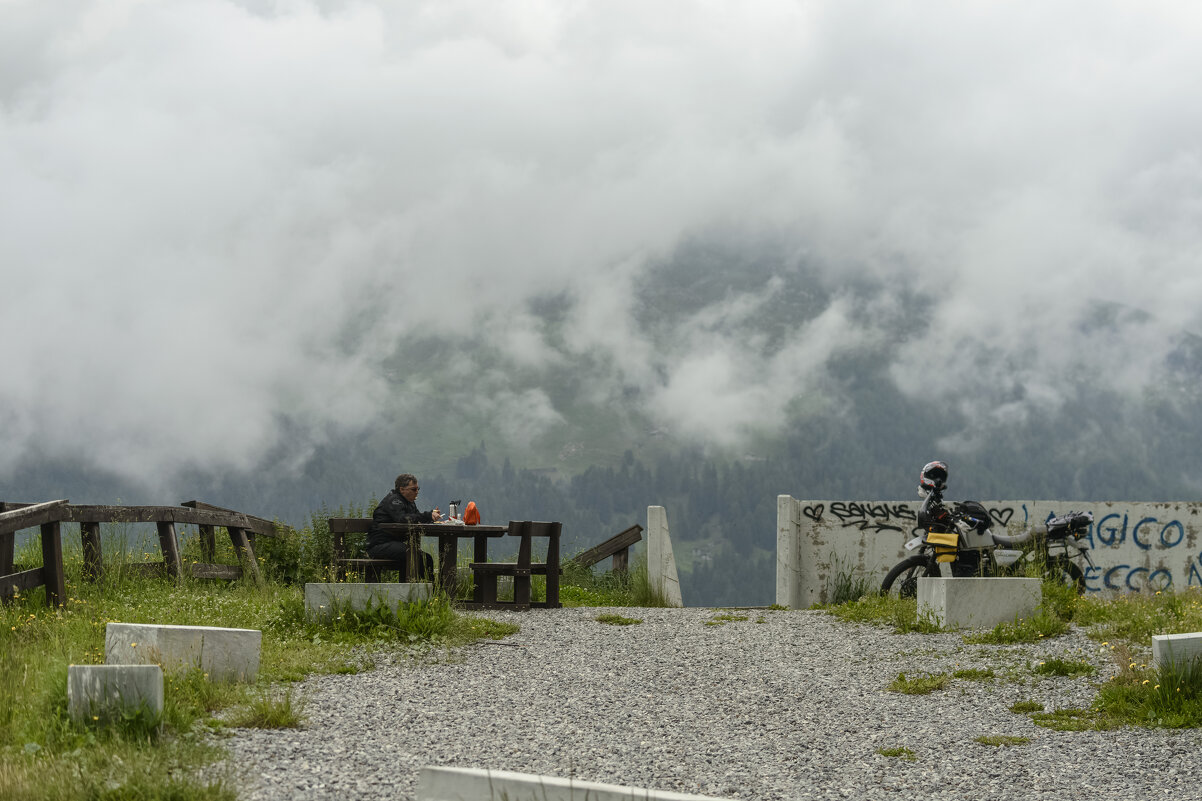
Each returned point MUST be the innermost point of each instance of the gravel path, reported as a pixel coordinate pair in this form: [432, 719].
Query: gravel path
[783, 705]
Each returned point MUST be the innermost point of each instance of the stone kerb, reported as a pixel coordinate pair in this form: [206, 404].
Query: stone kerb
[105, 692]
[1179, 650]
[224, 654]
[474, 784]
[977, 603]
[322, 599]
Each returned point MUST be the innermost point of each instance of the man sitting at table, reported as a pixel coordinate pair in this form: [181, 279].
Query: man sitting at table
[399, 506]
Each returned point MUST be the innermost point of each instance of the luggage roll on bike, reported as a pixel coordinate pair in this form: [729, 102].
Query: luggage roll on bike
[961, 538]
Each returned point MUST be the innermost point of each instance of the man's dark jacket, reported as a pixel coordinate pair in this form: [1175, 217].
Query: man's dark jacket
[394, 509]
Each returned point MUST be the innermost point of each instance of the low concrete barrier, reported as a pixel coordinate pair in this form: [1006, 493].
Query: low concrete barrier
[977, 603]
[473, 784]
[224, 654]
[1177, 649]
[321, 599]
[106, 692]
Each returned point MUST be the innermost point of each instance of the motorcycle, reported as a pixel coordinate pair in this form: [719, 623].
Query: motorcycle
[961, 537]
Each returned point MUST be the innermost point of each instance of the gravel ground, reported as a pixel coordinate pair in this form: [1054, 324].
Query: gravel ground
[783, 705]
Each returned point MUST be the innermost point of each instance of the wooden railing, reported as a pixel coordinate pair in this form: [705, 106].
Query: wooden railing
[50, 516]
[617, 546]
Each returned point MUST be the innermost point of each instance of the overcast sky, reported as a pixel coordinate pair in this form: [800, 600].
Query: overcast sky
[202, 200]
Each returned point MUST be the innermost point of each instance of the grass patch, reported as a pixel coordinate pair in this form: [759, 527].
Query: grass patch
[618, 620]
[1064, 667]
[999, 740]
[1072, 720]
[1026, 707]
[724, 618]
[901, 752]
[974, 674]
[1167, 697]
[269, 710]
[1135, 617]
[885, 610]
[1043, 624]
[918, 685]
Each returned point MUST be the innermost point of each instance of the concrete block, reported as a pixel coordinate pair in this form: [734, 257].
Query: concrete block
[473, 784]
[321, 598]
[108, 691]
[224, 654]
[978, 603]
[1178, 649]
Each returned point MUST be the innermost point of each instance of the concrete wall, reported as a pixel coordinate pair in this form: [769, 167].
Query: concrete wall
[1134, 546]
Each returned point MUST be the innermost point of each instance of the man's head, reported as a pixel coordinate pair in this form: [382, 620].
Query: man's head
[406, 485]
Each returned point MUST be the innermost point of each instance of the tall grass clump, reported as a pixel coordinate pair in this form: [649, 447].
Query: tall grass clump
[846, 582]
[582, 586]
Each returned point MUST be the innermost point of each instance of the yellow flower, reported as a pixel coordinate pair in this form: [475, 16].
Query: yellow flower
[1146, 681]
[1157, 687]
[133, 645]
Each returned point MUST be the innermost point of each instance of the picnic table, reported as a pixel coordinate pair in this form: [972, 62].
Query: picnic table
[484, 572]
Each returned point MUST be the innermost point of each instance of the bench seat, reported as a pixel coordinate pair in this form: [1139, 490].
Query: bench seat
[487, 573]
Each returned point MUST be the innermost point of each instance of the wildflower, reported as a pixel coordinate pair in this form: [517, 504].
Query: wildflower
[1157, 687]
[133, 645]
[1146, 681]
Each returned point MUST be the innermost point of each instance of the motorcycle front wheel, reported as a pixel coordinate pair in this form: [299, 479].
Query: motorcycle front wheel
[902, 580]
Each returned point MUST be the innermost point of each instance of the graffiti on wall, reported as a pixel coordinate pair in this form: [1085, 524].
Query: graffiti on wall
[1114, 531]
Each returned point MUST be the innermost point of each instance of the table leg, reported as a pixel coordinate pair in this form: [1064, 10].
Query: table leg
[448, 565]
[93, 562]
[52, 564]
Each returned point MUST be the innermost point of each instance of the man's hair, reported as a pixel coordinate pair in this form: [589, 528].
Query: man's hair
[404, 480]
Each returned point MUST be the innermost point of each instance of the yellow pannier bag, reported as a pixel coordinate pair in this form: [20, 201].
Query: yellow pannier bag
[945, 545]
[939, 538]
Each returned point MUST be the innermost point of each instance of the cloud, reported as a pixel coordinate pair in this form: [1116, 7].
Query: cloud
[215, 212]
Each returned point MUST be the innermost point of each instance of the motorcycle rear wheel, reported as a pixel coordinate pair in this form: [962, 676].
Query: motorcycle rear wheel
[1067, 572]
[902, 580]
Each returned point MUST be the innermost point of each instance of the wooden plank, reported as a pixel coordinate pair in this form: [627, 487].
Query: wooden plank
[147, 569]
[13, 583]
[183, 514]
[211, 508]
[212, 571]
[30, 516]
[349, 525]
[170, 548]
[618, 542]
[552, 561]
[93, 561]
[245, 551]
[83, 513]
[8, 549]
[52, 564]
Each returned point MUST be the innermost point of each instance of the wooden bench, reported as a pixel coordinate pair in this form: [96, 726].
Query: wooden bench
[617, 546]
[521, 570]
[371, 569]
